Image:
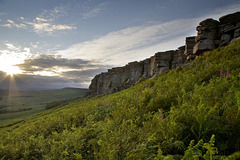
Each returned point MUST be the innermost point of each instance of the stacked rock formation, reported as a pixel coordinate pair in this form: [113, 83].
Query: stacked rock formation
[210, 35]
[206, 36]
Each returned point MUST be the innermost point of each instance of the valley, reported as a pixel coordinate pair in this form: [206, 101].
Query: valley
[18, 104]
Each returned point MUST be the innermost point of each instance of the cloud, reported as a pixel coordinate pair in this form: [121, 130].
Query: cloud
[44, 23]
[94, 12]
[6, 25]
[53, 65]
[38, 19]
[218, 12]
[62, 27]
[12, 56]
[11, 24]
[49, 61]
[54, 14]
[114, 48]
[11, 46]
[41, 25]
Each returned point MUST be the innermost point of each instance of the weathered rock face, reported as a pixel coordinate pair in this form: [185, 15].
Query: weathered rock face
[189, 44]
[206, 36]
[229, 28]
[124, 77]
[212, 34]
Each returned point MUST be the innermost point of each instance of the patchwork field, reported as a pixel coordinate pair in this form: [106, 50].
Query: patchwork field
[17, 104]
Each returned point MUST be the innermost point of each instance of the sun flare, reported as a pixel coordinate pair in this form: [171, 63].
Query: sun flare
[11, 70]
[8, 64]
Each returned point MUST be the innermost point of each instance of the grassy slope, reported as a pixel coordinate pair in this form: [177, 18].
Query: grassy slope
[36, 100]
[156, 119]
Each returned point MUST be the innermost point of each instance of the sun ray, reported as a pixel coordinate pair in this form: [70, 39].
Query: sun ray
[12, 102]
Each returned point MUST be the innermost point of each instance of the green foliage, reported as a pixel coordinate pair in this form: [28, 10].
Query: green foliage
[156, 119]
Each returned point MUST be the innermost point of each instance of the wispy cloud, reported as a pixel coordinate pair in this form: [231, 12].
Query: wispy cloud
[53, 14]
[115, 47]
[12, 47]
[5, 25]
[216, 13]
[55, 62]
[41, 25]
[94, 11]
[11, 24]
[44, 23]
[38, 19]
[139, 42]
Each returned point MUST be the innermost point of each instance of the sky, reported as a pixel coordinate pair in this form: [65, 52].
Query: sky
[49, 44]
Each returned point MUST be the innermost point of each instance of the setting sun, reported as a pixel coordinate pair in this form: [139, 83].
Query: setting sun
[11, 70]
[9, 62]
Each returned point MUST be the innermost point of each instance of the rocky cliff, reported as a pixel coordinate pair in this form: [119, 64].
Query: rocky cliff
[120, 78]
[210, 35]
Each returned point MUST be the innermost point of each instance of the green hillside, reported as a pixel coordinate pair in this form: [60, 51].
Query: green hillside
[189, 113]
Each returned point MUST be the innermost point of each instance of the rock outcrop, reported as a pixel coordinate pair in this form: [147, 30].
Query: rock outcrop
[210, 35]
[120, 78]
[206, 36]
